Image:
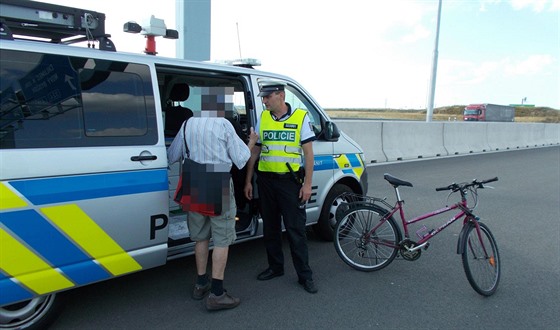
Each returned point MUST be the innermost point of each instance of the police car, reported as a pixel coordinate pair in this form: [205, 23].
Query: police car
[86, 194]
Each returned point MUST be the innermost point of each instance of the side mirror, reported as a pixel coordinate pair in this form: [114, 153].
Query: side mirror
[331, 132]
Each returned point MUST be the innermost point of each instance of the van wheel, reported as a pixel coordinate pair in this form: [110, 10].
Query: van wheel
[327, 220]
[36, 313]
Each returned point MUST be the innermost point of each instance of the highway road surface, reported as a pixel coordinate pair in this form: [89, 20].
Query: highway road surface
[523, 212]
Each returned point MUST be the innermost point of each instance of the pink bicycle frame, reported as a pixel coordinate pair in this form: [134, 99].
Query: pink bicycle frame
[405, 223]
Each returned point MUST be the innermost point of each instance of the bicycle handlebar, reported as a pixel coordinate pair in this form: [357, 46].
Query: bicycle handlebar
[490, 180]
[463, 186]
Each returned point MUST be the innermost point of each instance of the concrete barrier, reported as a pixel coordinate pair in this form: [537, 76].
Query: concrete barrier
[394, 140]
[552, 134]
[459, 138]
[367, 134]
[410, 140]
[505, 136]
[536, 135]
[525, 135]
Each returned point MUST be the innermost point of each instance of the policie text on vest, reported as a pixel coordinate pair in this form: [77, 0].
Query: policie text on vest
[279, 136]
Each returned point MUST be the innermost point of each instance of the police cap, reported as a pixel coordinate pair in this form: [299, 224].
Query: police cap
[270, 87]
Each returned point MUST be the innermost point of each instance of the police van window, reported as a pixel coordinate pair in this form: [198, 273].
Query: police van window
[199, 85]
[124, 89]
[297, 100]
[240, 110]
[49, 101]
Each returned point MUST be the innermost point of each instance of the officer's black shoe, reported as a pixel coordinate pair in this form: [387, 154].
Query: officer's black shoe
[308, 285]
[269, 274]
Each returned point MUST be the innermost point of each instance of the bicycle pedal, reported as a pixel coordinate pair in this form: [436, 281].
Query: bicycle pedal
[426, 246]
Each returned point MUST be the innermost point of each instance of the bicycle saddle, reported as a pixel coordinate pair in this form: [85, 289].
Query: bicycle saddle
[395, 182]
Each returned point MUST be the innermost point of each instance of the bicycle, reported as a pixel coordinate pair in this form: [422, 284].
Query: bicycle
[367, 237]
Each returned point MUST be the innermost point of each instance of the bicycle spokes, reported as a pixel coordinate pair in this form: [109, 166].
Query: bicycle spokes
[481, 259]
[365, 240]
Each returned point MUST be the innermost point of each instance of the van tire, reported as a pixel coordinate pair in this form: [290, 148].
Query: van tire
[36, 313]
[324, 228]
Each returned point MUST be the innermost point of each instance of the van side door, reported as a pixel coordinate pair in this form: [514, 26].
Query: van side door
[83, 181]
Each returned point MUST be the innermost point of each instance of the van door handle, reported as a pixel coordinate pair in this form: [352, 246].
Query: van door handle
[142, 158]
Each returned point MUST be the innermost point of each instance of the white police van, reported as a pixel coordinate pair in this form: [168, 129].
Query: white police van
[85, 189]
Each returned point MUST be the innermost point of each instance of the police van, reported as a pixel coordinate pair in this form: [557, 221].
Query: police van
[86, 193]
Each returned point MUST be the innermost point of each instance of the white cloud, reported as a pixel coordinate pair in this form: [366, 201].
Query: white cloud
[536, 5]
[532, 65]
[418, 33]
[499, 81]
[471, 73]
[457, 72]
[485, 3]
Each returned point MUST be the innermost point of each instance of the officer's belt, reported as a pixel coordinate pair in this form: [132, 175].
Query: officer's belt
[273, 175]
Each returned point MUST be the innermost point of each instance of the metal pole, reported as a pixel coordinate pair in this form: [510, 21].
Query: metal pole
[193, 23]
[430, 109]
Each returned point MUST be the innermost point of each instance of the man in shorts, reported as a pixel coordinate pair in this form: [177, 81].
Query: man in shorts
[211, 139]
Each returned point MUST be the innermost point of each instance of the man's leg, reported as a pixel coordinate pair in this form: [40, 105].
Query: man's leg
[201, 256]
[219, 261]
[294, 222]
[272, 223]
[199, 228]
[219, 298]
[223, 233]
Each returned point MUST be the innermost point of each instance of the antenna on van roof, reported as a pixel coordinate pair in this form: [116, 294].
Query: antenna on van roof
[238, 39]
[53, 23]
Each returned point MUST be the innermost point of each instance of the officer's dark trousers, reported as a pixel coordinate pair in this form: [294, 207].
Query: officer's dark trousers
[279, 200]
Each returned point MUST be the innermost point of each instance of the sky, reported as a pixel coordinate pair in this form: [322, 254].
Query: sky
[377, 53]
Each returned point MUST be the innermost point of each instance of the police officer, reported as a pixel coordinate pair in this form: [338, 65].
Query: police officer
[285, 169]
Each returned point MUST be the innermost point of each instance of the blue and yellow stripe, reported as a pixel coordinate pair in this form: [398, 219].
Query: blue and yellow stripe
[74, 188]
[55, 247]
[347, 163]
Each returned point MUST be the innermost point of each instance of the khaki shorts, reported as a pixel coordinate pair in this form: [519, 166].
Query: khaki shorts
[220, 228]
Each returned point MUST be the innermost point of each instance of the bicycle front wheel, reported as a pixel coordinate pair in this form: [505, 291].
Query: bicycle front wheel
[365, 240]
[481, 259]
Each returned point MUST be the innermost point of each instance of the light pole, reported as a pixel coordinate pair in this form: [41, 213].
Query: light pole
[432, 92]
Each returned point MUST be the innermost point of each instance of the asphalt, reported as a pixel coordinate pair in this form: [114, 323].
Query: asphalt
[523, 212]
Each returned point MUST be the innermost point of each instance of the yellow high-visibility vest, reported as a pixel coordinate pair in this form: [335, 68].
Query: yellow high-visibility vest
[281, 142]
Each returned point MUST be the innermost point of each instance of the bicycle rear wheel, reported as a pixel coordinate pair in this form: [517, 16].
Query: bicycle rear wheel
[362, 247]
[481, 260]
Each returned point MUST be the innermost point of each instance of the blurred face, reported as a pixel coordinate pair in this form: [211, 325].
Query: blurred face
[274, 102]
